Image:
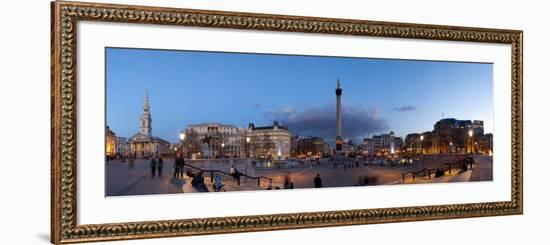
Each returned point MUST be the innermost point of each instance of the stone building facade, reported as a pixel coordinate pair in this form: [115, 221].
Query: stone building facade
[268, 142]
[311, 146]
[383, 144]
[451, 136]
[110, 142]
[212, 140]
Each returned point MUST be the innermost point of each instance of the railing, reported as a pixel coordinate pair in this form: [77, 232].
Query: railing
[415, 173]
[449, 167]
[212, 171]
[217, 163]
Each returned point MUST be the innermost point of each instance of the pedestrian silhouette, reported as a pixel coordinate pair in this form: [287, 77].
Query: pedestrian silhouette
[178, 166]
[159, 166]
[317, 181]
[153, 165]
[233, 172]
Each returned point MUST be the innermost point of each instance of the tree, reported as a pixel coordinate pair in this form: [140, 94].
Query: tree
[192, 141]
[267, 145]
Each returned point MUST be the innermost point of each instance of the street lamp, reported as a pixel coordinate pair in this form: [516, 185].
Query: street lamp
[246, 145]
[450, 147]
[223, 149]
[182, 138]
[421, 139]
[246, 158]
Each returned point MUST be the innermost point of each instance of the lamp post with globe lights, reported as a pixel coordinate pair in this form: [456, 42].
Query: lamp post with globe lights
[223, 150]
[182, 138]
[247, 156]
[246, 146]
[421, 146]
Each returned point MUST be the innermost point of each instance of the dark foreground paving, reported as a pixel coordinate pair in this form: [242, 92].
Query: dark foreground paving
[124, 178]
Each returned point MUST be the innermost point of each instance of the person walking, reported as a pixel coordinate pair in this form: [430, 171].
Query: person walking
[180, 163]
[159, 166]
[176, 163]
[153, 165]
[317, 181]
[233, 172]
[238, 177]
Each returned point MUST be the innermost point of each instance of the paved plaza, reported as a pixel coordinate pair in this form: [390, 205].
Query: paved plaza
[135, 178]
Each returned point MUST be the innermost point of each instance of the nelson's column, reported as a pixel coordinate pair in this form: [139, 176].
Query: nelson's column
[339, 140]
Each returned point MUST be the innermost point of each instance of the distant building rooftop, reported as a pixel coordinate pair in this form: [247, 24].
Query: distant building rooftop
[275, 125]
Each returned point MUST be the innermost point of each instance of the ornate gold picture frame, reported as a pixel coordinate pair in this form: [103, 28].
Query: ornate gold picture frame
[64, 206]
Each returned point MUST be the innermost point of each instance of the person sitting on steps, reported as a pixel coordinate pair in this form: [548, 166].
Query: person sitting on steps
[217, 185]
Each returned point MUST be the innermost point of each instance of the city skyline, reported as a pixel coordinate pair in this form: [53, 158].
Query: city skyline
[295, 90]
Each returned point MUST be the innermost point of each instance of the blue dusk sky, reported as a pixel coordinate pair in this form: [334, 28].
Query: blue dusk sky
[379, 95]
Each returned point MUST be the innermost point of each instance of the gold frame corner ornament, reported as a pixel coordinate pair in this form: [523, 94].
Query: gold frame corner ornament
[65, 15]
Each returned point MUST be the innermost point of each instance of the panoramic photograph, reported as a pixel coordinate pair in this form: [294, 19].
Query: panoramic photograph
[198, 121]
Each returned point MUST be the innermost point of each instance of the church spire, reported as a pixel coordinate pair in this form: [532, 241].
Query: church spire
[145, 120]
[146, 101]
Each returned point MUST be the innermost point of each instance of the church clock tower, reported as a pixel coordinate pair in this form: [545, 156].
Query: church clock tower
[145, 120]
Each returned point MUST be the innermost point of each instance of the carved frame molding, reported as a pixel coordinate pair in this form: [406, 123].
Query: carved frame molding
[65, 16]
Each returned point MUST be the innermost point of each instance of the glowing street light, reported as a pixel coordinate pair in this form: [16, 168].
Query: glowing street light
[421, 139]
[182, 137]
[246, 145]
[246, 158]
